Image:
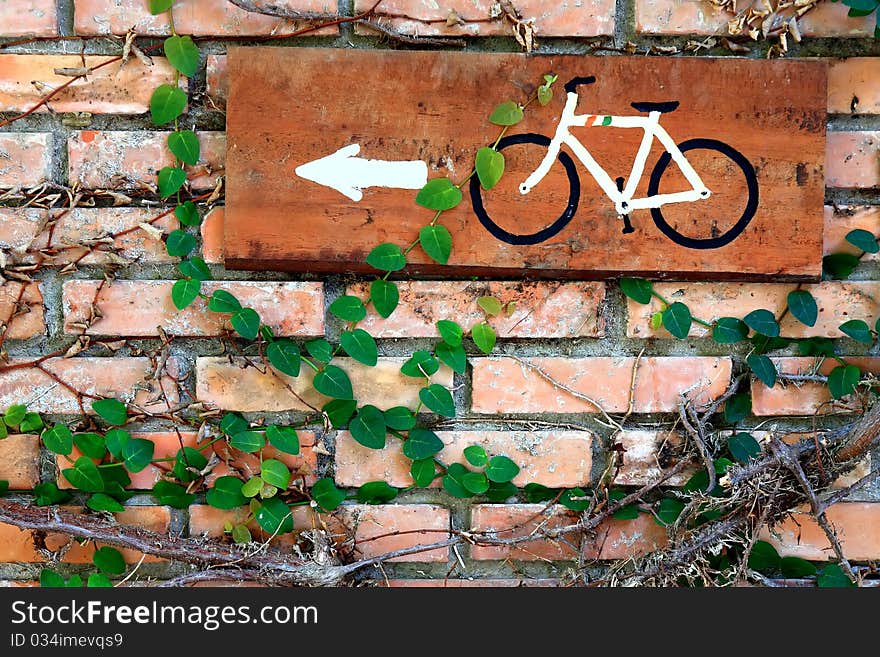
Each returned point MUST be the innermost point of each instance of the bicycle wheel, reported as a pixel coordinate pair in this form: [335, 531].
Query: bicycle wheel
[730, 168]
[574, 190]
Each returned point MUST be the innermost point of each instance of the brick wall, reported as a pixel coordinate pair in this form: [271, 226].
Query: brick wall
[584, 334]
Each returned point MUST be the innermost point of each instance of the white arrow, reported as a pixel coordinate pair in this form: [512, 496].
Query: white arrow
[348, 174]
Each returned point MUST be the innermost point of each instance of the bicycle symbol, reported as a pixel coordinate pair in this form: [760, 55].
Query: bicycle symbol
[623, 196]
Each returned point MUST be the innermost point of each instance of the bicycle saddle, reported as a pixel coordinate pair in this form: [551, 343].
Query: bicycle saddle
[668, 106]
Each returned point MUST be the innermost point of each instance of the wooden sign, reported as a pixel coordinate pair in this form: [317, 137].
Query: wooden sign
[676, 167]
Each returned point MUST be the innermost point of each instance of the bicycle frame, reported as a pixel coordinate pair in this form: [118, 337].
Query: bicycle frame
[624, 200]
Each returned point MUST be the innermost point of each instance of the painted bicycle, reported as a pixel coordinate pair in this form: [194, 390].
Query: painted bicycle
[622, 192]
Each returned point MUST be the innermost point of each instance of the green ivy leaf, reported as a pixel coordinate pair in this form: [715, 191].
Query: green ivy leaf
[222, 301]
[420, 364]
[743, 447]
[490, 166]
[284, 439]
[803, 306]
[246, 323]
[438, 399]
[737, 408]
[764, 558]
[862, 239]
[241, 535]
[637, 289]
[574, 499]
[182, 54]
[103, 502]
[677, 320]
[30, 423]
[137, 454]
[360, 345]
[476, 456]
[252, 487]
[48, 493]
[184, 145]
[285, 357]
[628, 512]
[160, 6]
[320, 349]
[109, 560]
[226, 493]
[501, 492]
[796, 568]
[763, 368]
[728, 330]
[188, 214]
[195, 268]
[506, 113]
[436, 241]
[348, 308]
[385, 297]
[842, 380]
[14, 415]
[839, 265]
[91, 445]
[450, 332]
[423, 472]
[501, 469]
[180, 244]
[475, 482]
[333, 382]
[112, 411]
[763, 322]
[816, 347]
[545, 95]
[174, 495]
[274, 517]
[537, 493]
[368, 427]
[454, 357]
[399, 418]
[668, 511]
[387, 257]
[489, 305]
[170, 180]
[439, 194]
[421, 444]
[274, 472]
[339, 411]
[484, 337]
[85, 475]
[167, 103]
[233, 423]
[376, 492]
[832, 576]
[453, 481]
[326, 495]
[184, 292]
[58, 439]
[858, 330]
[4, 487]
[249, 442]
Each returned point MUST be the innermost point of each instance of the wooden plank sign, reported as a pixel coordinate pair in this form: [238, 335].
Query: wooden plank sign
[676, 167]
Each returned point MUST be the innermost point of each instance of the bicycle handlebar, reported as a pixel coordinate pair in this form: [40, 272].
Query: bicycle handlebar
[572, 84]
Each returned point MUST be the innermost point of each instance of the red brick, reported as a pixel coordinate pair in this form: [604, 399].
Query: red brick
[20, 461]
[25, 158]
[138, 308]
[228, 386]
[558, 459]
[803, 398]
[130, 160]
[541, 309]
[851, 159]
[504, 385]
[212, 236]
[699, 17]
[841, 220]
[195, 17]
[25, 324]
[109, 90]
[640, 460]
[615, 539]
[853, 86]
[837, 302]
[574, 19]
[28, 18]
[456, 583]
[217, 78]
[18, 545]
[417, 524]
[122, 378]
[154, 518]
[11, 583]
[857, 525]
